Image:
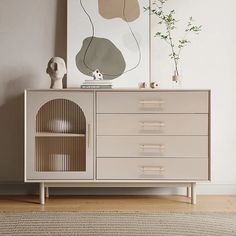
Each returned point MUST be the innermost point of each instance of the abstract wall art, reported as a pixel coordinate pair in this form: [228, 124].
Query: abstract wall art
[112, 36]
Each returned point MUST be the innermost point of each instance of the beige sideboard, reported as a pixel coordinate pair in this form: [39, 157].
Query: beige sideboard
[117, 138]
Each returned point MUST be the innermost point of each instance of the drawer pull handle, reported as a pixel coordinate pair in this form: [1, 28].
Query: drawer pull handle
[152, 169]
[152, 146]
[152, 102]
[153, 124]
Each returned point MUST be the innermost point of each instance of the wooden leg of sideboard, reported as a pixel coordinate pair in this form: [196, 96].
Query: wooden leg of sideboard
[47, 192]
[42, 193]
[188, 191]
[193, 193]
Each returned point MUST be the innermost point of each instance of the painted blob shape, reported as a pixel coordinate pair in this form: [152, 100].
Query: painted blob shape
[128, 10]
[102, 54]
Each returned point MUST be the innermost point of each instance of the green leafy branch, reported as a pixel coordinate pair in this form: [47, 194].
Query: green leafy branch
[168, 20]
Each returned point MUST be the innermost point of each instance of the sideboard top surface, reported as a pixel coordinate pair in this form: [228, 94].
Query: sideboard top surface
[118, 90]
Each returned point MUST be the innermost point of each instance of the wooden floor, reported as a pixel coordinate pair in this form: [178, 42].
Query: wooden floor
[120, 203]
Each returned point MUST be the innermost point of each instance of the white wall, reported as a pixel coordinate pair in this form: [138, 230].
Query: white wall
[209, 62]
[33, 31]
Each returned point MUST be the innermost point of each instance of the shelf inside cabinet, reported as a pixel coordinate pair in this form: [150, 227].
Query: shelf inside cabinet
[49, 134]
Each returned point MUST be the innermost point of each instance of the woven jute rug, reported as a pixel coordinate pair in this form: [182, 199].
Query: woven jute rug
[116, 223]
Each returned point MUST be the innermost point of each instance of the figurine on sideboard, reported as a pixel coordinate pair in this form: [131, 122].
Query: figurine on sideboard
[56, 69]
[97, 75]
[148, 85]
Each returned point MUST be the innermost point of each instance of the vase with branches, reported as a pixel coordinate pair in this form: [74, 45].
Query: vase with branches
[168, 20]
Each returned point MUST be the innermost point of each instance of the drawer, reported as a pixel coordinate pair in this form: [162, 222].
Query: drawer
[152, 124]
[153, 102]
[152, 146]
[151, 168]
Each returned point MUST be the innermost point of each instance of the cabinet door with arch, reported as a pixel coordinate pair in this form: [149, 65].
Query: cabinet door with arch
[58, 135]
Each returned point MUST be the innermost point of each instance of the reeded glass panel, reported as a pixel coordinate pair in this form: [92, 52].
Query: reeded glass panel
[60, 154]
[61, 116]
[60, 141]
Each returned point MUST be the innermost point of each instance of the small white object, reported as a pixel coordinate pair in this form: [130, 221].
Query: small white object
[97, 75]
[152, 85]
[59, 126]
[59, 162]
[142, 85]
[56, 69]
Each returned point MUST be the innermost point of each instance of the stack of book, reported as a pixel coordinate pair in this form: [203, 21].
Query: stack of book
[97, 84]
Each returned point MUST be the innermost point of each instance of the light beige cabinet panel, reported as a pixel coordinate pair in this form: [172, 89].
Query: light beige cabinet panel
[58, 137]
[153, 102]
[152, 124]
[152, 146]
[151, 168]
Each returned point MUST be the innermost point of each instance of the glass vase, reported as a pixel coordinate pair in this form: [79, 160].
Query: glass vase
[176, 81]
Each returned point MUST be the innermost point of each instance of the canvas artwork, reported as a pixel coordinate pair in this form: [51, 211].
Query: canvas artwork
[111, 36]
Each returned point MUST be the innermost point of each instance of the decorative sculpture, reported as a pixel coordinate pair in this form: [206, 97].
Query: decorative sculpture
[56, 69]
[148, 85]
[97, 75]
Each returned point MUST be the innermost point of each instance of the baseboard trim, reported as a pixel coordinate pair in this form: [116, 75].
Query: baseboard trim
[222, 188]
[216, 188]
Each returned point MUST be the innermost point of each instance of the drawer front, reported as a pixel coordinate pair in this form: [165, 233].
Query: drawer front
[153, 102]
[151, 168]
[152, 124]
[152, 146]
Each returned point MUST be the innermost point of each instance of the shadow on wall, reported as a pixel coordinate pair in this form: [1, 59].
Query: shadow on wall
[14, 79]
[61, 33]
[12, 129]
